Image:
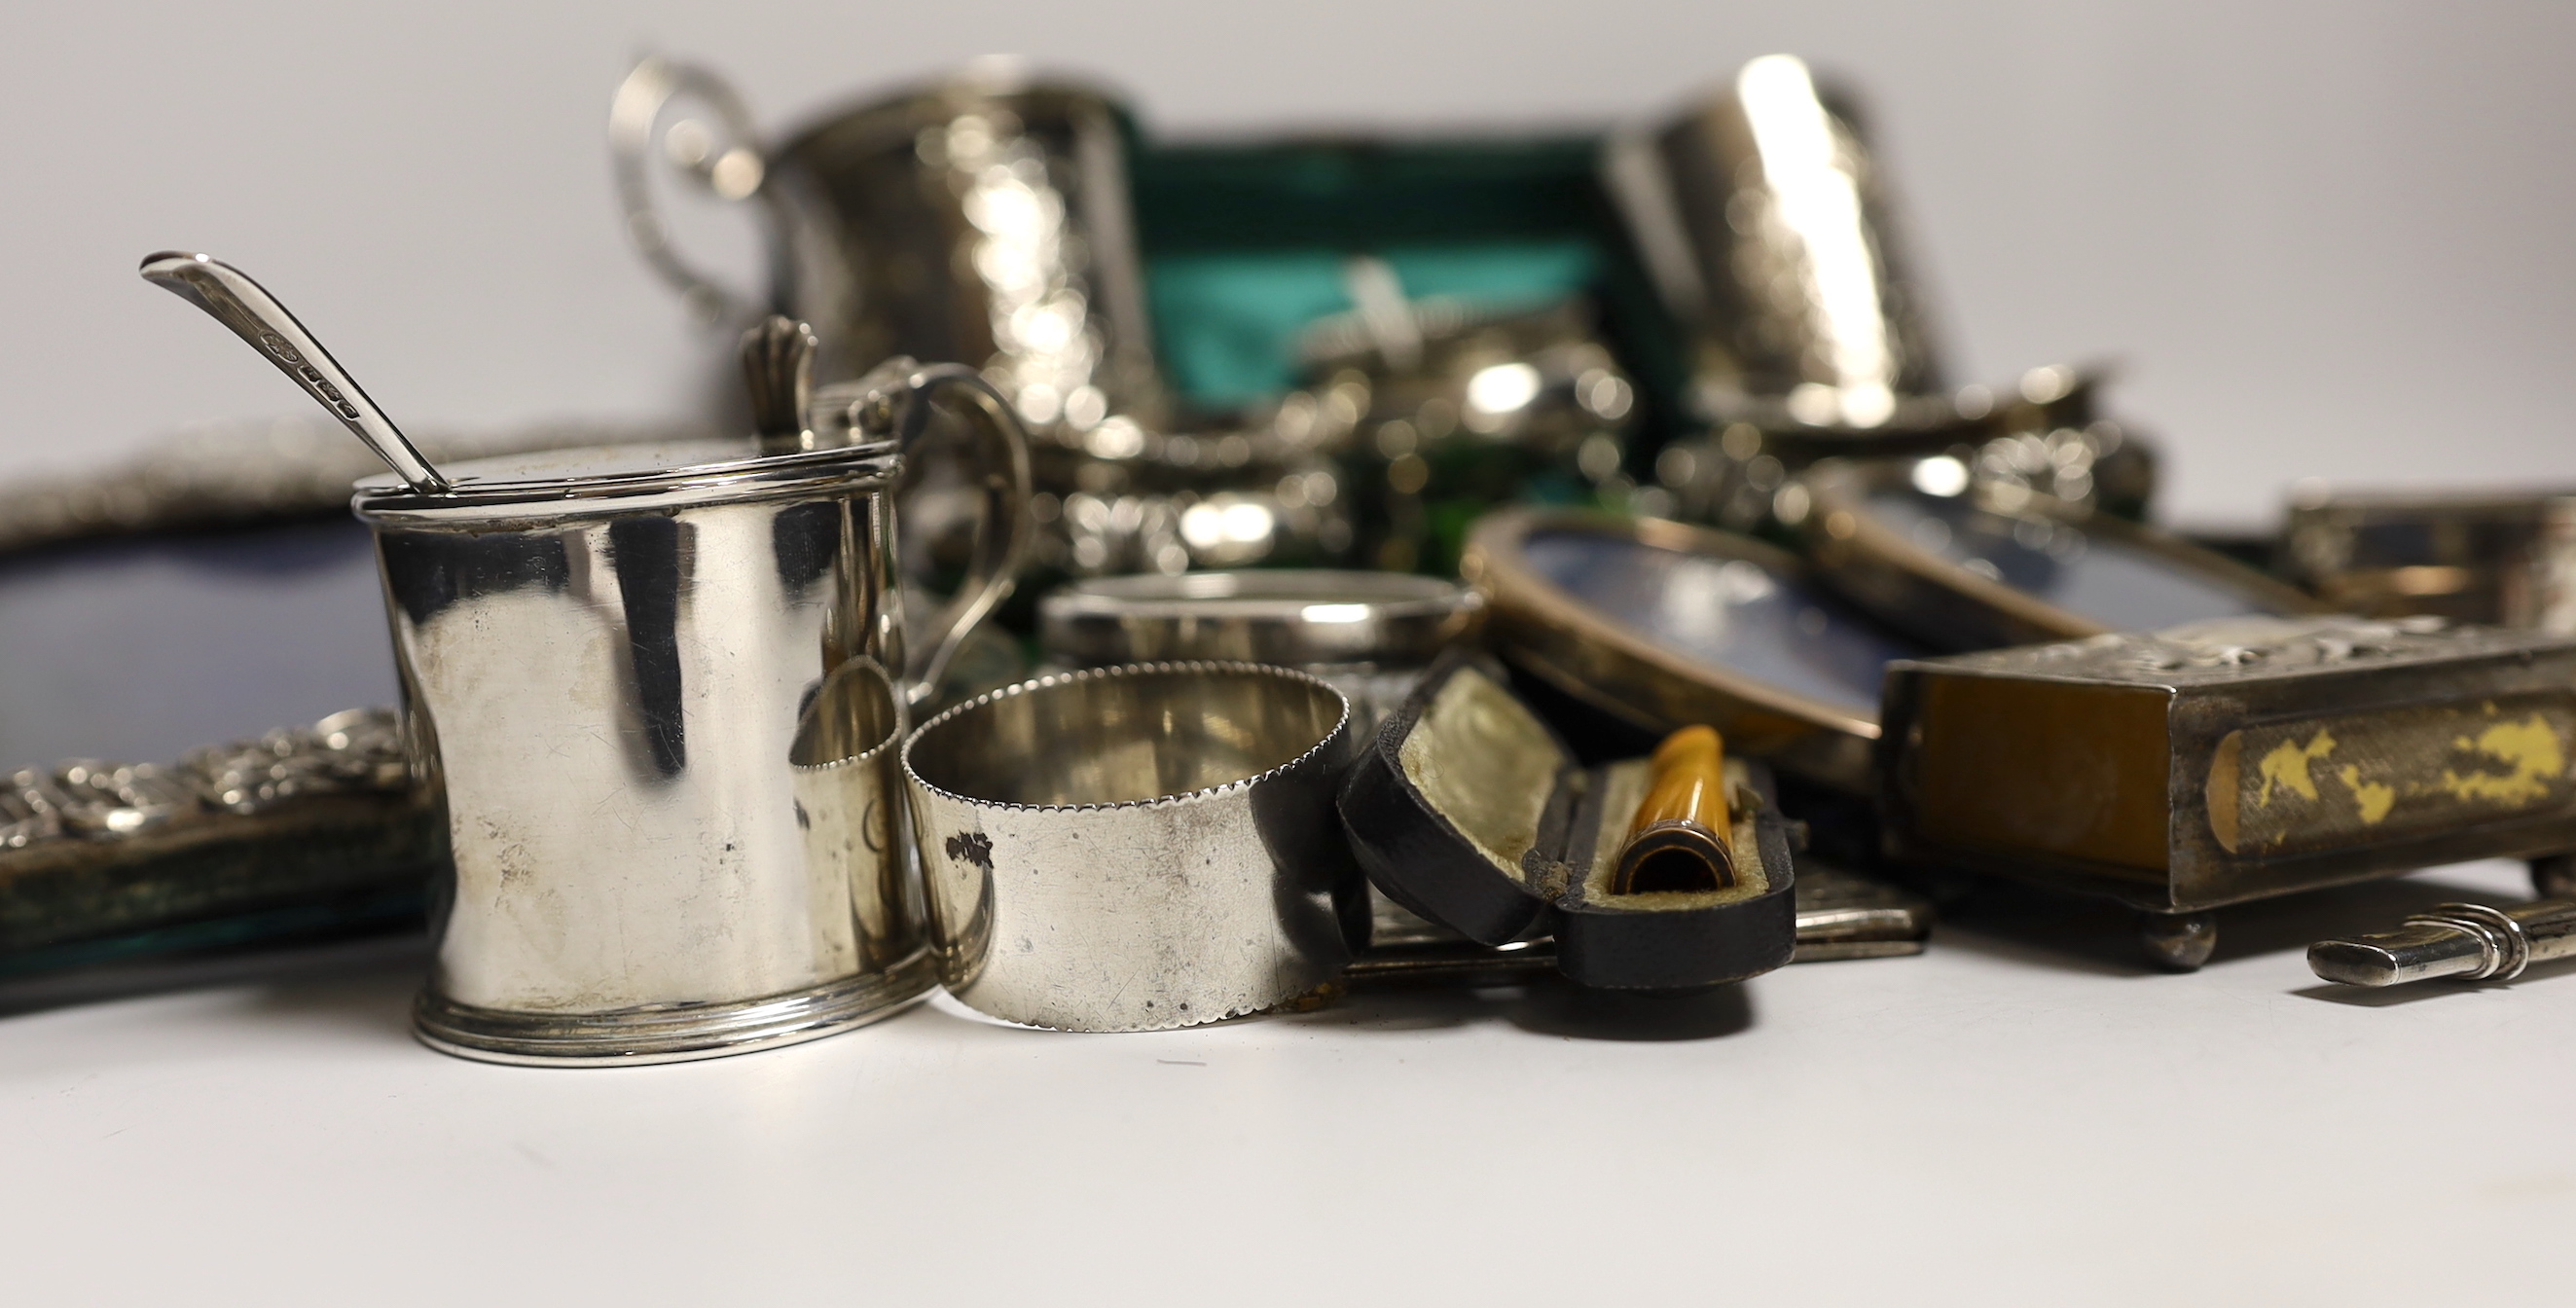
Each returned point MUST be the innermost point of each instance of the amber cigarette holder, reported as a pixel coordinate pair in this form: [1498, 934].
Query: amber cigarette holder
[1679, 838]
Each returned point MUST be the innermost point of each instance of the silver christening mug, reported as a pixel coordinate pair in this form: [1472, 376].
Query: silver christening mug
[984, 216]
[663, 687]
[981, 217]
[1137, 848]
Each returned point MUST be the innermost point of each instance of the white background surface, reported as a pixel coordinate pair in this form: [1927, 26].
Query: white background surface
[2011, 1117]
[2328, 238]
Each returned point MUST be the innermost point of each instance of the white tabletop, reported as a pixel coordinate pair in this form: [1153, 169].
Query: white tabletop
[2020, 1114]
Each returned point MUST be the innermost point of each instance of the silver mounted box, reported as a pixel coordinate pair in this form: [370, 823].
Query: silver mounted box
[2508, 558]
[2235, 759]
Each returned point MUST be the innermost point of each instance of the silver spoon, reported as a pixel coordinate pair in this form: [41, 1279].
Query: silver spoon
[237, 302]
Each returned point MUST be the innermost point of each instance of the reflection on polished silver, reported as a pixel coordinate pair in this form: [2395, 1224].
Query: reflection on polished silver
[622, 664]
[1285, 616]
[2468, 942]
[1436, 409]
[896, 403]
[984, 218]
[229, 295]
[1537, 376]
[1371, 634]
[2044, 436]
[1137, 848]
[1765, 227]
[1016, 190]
[1009, 194]
[857, 905]
[1193, 501]
[1843, 915]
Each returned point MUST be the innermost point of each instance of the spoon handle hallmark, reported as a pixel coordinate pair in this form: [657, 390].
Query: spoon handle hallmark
[233, 299]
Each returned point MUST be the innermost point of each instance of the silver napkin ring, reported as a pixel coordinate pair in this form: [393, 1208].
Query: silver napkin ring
[1137, 848]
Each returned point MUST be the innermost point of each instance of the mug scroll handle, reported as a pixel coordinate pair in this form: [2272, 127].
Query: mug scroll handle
[1002, 531]
[733, 172]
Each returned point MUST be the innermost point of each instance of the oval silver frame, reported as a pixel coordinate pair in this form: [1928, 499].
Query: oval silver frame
[1933, 599]
[1613, 667]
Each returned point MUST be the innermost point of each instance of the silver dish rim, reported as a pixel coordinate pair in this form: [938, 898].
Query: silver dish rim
[1388, 617]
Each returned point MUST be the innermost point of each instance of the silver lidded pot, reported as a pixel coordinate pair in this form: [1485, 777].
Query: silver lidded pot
[663, 687]
[660, 689]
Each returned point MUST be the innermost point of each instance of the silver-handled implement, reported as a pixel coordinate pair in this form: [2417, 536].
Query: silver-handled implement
[233, 299]
[2472, 942]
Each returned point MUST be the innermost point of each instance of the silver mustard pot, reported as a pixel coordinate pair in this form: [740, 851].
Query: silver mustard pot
[663, 688]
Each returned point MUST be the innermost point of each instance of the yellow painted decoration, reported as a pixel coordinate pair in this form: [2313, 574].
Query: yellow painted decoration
[2394, 773]
[2529, 747]
[2373, 798]
[2288, 765]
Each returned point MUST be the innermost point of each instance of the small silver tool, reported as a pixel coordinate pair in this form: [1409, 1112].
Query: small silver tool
[2472, 942]
[244, 305]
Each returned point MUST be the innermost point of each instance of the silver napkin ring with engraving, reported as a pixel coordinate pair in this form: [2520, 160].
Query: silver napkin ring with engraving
[1137, 848]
